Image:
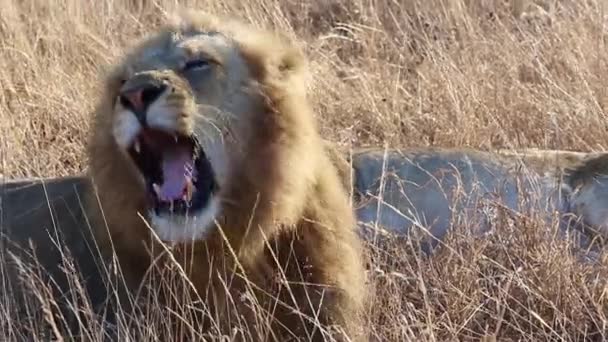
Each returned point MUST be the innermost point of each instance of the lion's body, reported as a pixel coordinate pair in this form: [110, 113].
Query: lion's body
[430, 188]
[45, 232]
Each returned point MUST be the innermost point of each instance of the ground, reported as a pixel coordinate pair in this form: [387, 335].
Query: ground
[482, 74]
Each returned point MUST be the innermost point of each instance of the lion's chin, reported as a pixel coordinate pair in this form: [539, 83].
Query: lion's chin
[185, 228]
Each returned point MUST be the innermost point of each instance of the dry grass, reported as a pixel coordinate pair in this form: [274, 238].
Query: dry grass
[485, 74]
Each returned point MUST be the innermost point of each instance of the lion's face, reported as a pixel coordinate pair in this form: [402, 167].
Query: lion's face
[175, 116]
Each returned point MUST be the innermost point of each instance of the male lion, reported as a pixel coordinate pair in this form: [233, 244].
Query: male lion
[204, 141]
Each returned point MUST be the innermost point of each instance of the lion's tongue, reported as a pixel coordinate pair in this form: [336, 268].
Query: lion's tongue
[177, 168]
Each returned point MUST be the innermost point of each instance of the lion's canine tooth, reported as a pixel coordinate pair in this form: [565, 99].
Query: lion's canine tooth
[156, 189]
[137, 146]
[189, 190]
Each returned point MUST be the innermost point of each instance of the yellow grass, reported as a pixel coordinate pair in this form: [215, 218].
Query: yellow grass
[483, 74]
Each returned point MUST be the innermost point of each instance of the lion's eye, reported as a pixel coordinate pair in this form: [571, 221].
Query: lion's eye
[196, 64]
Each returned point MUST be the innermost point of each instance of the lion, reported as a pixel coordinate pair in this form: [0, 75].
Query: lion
[203, 143]
[401, 191]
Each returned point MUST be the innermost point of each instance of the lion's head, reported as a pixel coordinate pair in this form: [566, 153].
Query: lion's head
[190, 123]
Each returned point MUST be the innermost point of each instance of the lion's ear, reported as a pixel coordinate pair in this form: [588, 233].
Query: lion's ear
[273, 57]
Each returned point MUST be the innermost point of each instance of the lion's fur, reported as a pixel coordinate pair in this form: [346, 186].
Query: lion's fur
[284, 190]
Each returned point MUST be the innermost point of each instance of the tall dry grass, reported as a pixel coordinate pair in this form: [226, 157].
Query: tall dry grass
[483, 74]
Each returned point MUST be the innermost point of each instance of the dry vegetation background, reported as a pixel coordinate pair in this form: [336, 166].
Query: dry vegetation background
[478, 73]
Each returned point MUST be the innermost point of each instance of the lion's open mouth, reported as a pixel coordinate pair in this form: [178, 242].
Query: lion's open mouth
[179, 178]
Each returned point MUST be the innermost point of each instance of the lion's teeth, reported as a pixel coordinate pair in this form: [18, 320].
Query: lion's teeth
[171, 205]
[137, 146]
[189, 190]
[156, 189]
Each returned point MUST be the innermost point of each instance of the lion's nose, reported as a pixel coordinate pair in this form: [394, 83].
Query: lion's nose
[140, 98]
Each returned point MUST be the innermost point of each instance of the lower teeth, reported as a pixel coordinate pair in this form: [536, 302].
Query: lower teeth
[186, 197]
[156, 189]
